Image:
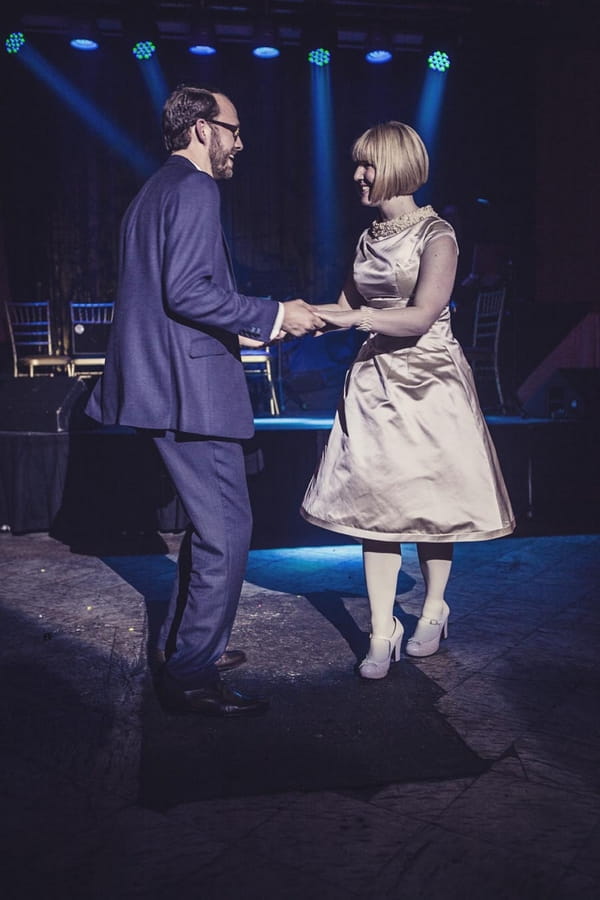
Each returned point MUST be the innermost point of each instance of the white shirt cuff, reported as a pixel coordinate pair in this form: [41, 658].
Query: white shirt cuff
[277, 322]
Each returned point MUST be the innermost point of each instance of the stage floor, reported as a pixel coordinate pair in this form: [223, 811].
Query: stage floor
[515, 684]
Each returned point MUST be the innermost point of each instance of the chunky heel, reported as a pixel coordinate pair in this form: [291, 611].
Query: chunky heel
[428, 634]
[371, 668]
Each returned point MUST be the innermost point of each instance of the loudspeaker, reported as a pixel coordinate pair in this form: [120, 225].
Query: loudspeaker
[44, 403]
[568, 394]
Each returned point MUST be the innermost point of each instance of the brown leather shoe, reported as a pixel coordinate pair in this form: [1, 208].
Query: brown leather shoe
[217, 700]
[230, 659]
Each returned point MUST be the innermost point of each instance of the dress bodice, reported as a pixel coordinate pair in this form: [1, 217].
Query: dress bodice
[386, 272]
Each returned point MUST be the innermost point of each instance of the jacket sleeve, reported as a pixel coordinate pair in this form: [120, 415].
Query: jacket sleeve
[194, 258]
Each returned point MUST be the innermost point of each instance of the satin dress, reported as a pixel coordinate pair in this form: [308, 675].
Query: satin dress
[409, 457]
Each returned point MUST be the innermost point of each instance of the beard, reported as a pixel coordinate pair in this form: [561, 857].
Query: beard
[219, 157]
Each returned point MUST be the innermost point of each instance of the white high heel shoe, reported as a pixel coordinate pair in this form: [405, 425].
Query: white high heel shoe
[428, 634]
[370, 668]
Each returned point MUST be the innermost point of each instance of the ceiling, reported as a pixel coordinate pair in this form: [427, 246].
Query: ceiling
[349, 20]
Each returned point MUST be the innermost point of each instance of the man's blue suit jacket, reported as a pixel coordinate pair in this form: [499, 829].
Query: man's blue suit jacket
[173, 356]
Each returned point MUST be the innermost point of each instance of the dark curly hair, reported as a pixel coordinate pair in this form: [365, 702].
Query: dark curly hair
[181, 111]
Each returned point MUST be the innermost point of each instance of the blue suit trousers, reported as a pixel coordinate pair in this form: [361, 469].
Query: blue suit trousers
[209, 476]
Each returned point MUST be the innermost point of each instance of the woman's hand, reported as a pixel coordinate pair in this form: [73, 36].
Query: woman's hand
[250, 342]
[337, 317]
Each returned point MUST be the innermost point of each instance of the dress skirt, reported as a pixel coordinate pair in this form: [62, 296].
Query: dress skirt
[410, 457]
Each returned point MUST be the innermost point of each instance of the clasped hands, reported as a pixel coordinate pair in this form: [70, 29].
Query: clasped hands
[301, 318]
[305, 318]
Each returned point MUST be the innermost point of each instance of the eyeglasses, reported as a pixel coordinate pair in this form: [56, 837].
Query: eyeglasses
[234, 129]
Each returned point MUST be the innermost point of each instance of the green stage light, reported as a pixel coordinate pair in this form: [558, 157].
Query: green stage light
[439, 61]
[319, 56]
[144, 50]
[14, 41]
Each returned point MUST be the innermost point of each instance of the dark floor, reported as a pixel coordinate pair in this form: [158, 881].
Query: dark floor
[514, 687]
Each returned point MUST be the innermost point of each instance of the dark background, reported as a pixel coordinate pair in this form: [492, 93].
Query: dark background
[519, 127]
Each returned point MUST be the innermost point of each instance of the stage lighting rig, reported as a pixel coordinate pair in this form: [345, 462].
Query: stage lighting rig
[140, 30]
[266, 43]
[376, 31]
[319, 33]
[202, 39]
[84, 35]
[379, 49]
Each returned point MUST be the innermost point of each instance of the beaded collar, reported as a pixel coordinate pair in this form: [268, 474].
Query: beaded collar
[388, 227]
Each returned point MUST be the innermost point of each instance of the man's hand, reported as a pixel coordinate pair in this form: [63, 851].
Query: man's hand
[299, 318]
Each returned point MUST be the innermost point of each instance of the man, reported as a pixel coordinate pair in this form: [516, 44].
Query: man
[173, 368]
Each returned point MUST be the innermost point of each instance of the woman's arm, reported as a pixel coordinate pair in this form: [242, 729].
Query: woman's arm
[437, 272]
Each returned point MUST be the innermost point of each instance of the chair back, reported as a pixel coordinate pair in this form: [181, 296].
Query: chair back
[489, 309]
[29, 327]
[257, 362]
[90, 325]
[255, 355]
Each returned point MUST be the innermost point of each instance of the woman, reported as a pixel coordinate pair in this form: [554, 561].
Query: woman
[409, 457]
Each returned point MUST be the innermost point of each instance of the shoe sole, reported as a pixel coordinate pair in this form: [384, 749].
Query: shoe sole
[421, 655]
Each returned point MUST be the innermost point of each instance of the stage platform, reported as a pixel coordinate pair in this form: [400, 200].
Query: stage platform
[110, 482]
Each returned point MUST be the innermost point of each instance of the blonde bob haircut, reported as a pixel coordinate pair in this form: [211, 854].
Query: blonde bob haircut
[398, 156]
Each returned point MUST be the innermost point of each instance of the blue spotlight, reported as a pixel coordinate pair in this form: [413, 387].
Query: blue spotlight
[319, 56]
[83, 44]
[428, 117]
[115, 139]
[430, 107]
[378, 56]
[144, 50]
[266, 52]
[202, 49]
[323, 179]
[14, 41]
[156, 84]
[439, 61]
